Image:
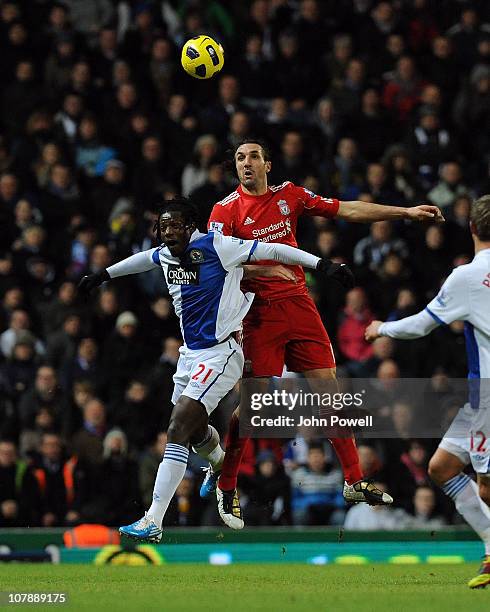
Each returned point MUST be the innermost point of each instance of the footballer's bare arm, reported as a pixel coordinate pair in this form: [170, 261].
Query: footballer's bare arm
[367, 212]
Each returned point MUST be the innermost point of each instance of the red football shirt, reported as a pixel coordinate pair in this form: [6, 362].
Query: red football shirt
[271, 217]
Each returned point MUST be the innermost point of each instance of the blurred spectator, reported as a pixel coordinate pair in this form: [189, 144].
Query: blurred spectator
[60, 200]
[19, 328]
[293, 78]
[346, 94]
[107, 191]
[292, 164]
[458, 223]
[316, 491]
[449, 187]
[62, 344]
[254, 70]
[471, 112]
[19, 495]
[68, 117]
[123, 355]
[91, 154]
[424, 505]
[104, 314]
[116, 499]
[49, 156]
[371, 251]
[87, 442]
[239, 129]
[400, 176]
[376, 185]
[162, 69]
[61, 481]
[345, 174]
[21, 97]
[214, 189]
[59, 63]
[441, 68]
[393, 272]
[429, 144]
[9, 191]
[122, 228]
[326, 127]
[195, 173]
[464, 37]
[84, 239]
[382, 22]
[216, 117]
[18, 371]
[59, 307]
[350, 335]
[44, 394]
[269, 502]
[432, 260]
[402, 92]
[137, 415]
[151, 174]
[337, 61]
[81, 391]
[371, 127]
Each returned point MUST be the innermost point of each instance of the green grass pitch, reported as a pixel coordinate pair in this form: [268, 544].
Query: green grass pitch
[251, 588]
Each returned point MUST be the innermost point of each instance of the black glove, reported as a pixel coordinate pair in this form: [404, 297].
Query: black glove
[92, 281]
[340, 272]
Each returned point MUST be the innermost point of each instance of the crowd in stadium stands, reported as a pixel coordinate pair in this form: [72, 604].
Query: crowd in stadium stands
[359, 99]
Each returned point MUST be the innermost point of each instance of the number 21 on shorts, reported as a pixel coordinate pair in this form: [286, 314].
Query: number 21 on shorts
[202, 373]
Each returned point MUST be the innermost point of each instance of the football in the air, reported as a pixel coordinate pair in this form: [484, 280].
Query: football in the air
[202, 57]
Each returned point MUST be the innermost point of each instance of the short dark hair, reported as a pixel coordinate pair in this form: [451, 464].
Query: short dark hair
[263, 145]
[179, 204]
[480, 217]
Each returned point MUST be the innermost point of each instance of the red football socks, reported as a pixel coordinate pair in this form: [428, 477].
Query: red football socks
[346, 450]
[235, 447]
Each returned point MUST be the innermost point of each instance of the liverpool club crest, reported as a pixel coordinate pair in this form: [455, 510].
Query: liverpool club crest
[283, 207]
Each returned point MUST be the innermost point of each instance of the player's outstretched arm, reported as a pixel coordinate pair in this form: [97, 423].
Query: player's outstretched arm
[451, 304]
[367, 212]
[140, 262]
[409, 328]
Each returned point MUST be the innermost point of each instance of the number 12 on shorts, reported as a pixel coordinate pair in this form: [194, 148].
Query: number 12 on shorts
[478, 442]
[202, 373]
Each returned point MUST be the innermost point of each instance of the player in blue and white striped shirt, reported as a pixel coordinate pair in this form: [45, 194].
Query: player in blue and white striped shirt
[203, 274]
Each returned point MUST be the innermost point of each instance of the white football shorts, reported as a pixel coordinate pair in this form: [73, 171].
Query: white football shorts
[207, 375]
[468, 438]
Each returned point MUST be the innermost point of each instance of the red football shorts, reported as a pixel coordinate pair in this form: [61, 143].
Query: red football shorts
[288, 331]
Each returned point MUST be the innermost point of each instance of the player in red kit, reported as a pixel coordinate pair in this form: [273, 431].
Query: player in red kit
[283, 325]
